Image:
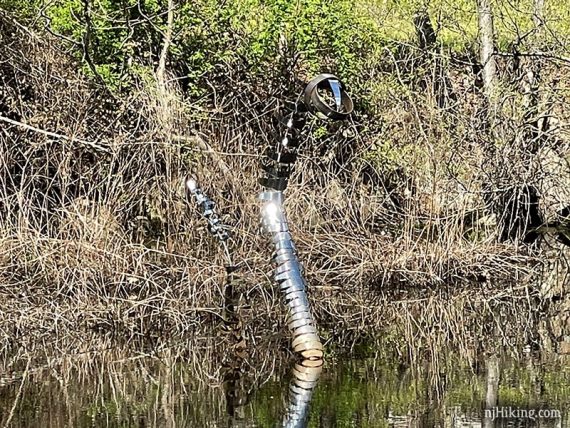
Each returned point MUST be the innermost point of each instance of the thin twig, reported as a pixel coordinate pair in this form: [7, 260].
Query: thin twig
[54, 135]
[86, 40]
[199, 141]
[535, 55]
[18, 395]
[167, 40]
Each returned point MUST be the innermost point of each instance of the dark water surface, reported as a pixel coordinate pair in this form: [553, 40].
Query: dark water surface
[371, 392]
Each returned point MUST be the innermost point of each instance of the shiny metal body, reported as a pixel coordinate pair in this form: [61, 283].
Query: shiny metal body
[289, 275]
[215, 225]
[301, 388]
[278, 165]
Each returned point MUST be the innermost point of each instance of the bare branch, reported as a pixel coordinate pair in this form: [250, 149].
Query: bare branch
[538, 13]
[167, 40]
[205, 147]
[544, 55]
[486, 37]
[54, 135]
[86, 40]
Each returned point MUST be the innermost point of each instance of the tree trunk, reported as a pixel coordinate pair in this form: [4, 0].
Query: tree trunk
[535, 127]
[424, 29]
[486, 39]
[160, 72]
[538, 13]
[492, 393]
[427, 38]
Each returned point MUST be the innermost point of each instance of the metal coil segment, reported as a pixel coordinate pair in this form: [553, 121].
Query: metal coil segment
[289, 275]
[305, 377]
[278, 166]
[215, 226]
[314, 101]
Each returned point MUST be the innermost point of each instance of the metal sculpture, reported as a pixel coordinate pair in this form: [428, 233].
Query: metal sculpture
[305, 377]
[233, 359]
[215, 225]
[220, 232]
[278, 167]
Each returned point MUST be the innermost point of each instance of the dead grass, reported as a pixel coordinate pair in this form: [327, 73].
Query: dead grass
[103, 243]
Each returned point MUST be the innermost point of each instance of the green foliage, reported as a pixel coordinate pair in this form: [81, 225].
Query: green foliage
[331, 35]
[328, 34]
[124, 38]
[364, 392]
[25, 9]
[388, 156]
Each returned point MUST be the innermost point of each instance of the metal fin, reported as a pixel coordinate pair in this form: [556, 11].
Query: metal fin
[336, 88]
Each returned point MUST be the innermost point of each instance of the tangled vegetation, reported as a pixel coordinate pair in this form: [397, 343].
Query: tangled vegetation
[438, 190]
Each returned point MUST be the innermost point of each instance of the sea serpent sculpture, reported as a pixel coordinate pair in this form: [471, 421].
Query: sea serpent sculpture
[278, 166]
[324, 97]
[305, 374]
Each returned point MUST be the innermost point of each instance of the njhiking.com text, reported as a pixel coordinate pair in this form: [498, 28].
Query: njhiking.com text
[518, 413]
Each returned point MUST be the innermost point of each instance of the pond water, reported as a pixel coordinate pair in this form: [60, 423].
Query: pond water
[366, 392]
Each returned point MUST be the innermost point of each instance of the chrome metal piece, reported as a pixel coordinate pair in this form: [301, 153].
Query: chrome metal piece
[298, 323]
[301, 388]
[335, 86]
[289, 275]
[208, 208]
[305, 329]
[295, 295]
[301, 343]
[292, 288]
[297, 316]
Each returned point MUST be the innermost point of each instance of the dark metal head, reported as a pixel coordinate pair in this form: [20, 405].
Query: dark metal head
[326, 98]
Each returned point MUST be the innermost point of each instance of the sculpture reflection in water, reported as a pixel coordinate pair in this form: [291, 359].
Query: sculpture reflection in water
[234, 383]
[305, 377]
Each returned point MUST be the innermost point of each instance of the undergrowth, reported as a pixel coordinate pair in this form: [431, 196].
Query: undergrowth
[390, 210]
